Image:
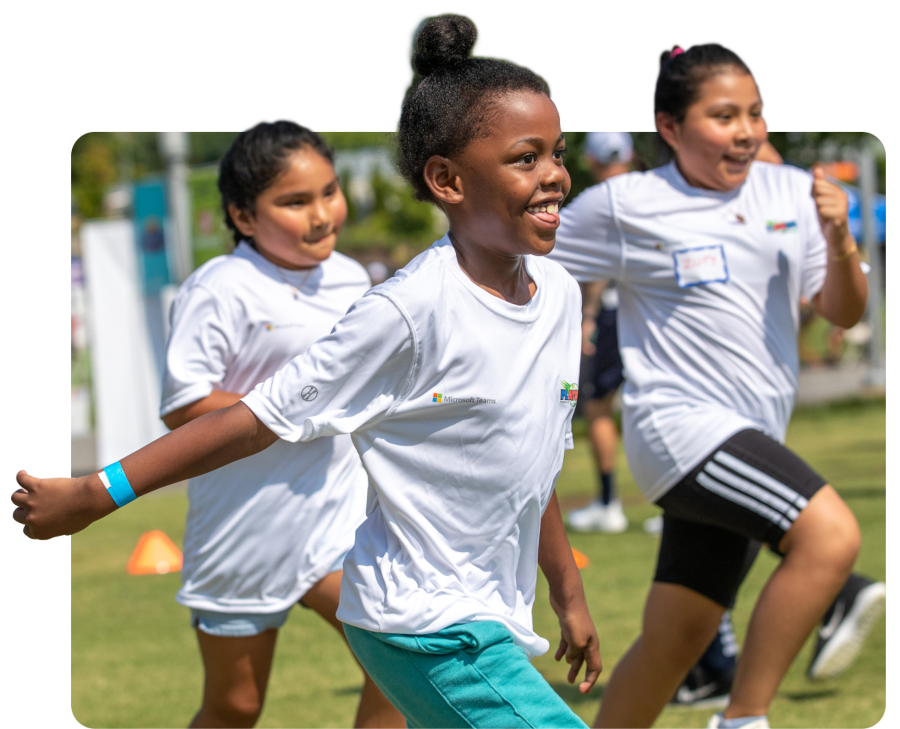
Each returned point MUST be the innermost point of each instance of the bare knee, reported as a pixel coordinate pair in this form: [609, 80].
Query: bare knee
[237, 708]
[825, 536]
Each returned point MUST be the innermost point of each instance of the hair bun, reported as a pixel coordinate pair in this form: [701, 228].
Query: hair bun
[666, 52]
[443, 41]
[669, 55]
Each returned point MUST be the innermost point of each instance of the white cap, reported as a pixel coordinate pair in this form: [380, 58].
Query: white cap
[609, 147]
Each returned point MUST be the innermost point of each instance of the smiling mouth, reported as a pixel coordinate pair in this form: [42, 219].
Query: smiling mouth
[739, 159]
[313, 241]
[547, 213]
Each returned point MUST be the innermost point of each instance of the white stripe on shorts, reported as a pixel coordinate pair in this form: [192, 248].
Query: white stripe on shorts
[745, 501]
[767, 497]
[761, 478]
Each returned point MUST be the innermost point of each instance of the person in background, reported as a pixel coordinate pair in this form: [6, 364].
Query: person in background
[608, 154]
[271, 531]
[712, 253]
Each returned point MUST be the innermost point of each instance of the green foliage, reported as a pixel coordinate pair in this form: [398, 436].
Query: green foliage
[358, 140]
[395, 222]
[93, 170]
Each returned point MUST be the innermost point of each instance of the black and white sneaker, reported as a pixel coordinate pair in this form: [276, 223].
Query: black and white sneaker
[704, 689]
[845, 627]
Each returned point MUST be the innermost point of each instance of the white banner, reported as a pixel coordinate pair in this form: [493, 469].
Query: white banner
[126, 379]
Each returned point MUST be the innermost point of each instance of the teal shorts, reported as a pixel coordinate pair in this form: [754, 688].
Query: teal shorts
[470, 675]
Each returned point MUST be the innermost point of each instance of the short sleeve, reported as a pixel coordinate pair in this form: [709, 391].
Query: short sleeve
[346, 381]
[199, 349]
[588, 244]
[815, 258]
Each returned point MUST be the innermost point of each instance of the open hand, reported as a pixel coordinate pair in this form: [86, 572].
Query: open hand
[832, 206]
[579, 644]
[51, 507]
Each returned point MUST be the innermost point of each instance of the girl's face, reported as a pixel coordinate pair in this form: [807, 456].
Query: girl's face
[298, 217]
[513, 180]
[721, 132]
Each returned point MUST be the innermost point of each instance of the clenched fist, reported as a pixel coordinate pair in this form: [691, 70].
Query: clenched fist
[832, 206]
[51, 507]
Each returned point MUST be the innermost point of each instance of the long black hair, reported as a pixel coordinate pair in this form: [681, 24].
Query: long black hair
[256, 158]
[450, 101]
[682, 73]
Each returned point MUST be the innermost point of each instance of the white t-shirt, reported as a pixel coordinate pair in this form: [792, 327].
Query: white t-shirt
[458, 403]
[709, 288]
[261, 531]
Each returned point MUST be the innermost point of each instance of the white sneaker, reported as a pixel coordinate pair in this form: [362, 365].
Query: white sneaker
[597, 517]
[761, 722]
[845, 626]
[653, 525]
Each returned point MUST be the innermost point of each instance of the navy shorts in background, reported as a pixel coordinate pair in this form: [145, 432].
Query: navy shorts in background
[603, 370]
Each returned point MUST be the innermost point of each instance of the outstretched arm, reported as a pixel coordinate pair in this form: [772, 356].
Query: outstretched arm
[578, 641]
[52, 507]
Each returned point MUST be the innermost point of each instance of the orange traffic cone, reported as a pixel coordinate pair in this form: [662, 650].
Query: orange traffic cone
[581, 560]
[155, 554]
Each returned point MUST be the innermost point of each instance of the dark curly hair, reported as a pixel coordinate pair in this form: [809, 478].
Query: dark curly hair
[450, 102]
[682, 73]
[256, 158]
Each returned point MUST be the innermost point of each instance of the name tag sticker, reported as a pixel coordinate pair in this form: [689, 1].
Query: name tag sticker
[696, 266]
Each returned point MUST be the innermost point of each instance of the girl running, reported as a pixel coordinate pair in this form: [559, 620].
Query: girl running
[270, 530]
[712, 255]
[454, 380]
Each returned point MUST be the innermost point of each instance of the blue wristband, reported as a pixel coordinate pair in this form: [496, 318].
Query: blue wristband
[113, 477]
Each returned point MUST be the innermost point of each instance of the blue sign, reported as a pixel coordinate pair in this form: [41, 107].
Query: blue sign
[149, 233]
[879, 207]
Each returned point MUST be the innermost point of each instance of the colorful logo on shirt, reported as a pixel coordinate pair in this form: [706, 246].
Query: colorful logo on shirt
[569, 393]
[270, 328]
[774, 226]
[446, 399]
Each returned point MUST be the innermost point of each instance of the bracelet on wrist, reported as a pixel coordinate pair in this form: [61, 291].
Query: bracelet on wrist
[846, 255]
[116, 483]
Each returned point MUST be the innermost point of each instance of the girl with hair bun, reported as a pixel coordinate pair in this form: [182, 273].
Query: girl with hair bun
[455, 381]
[711, 254]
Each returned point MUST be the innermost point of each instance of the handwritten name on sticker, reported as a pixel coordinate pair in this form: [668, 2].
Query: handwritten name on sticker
[697, 266]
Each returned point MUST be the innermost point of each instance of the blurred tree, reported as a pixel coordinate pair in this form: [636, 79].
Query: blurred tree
[395, 220]
[358, 140]
[209, 147]
[94, 169]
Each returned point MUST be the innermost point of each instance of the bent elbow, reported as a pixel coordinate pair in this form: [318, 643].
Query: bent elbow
[172, 421]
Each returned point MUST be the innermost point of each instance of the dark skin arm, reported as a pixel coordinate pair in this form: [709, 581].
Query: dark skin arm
[216, 400]
[52, 507]
[578, 641]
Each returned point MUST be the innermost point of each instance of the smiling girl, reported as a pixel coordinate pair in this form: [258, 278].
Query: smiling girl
[272, 530]
[712, 254]
[452, 379]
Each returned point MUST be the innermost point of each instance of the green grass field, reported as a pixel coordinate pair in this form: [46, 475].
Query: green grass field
[135, 661]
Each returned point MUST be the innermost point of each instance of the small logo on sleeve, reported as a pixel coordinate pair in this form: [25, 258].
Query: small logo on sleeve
[437, 397]
[569, 392]
[781, 226]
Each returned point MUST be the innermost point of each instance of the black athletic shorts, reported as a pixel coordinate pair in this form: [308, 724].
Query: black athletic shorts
[748, 491]
[603, 370]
